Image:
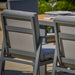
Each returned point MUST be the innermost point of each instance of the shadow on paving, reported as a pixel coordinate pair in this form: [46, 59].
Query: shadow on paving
[13, 72]
[59, 73]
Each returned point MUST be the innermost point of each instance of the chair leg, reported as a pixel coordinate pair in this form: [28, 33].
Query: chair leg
[35, 70]
[43, 70]
[54, 63]
[36, 66]
[2, 65]
[38, 71]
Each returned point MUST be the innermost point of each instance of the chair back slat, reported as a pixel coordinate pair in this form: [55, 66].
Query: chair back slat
[21, 31]
[69, 29]
[66, 36]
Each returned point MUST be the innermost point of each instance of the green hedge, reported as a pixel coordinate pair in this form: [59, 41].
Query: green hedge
[43, 6]
[65, 6]
[61, 5]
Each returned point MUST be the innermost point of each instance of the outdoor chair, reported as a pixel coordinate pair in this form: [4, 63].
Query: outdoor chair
[23, 5]
[30, 6]
[22, 40]
[65, 44]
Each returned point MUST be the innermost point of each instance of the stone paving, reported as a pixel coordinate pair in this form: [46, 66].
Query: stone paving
[23, 69]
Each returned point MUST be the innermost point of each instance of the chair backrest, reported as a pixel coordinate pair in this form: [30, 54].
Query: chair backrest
[21, 32]
[65, 36]
[23, 5]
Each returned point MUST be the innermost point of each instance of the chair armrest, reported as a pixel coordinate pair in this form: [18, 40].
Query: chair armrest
[40, 47]
[43, 37]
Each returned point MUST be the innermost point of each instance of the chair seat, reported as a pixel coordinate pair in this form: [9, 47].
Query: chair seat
[48, 51]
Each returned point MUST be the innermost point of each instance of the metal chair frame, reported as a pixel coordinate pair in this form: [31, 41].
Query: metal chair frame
[6, 49]
[58, 57]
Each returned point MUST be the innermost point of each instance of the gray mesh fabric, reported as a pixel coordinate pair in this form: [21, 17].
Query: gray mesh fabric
[68, 45]
[19, 23]
[21, 41]
[67, 29]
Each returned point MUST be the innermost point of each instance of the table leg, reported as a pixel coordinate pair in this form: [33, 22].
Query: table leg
[43, 70]
[52, 29]
[43, 32]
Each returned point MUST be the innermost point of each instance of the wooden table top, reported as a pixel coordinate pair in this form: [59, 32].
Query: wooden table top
[41, 17]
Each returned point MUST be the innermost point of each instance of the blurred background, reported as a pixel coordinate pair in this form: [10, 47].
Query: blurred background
[68, 5]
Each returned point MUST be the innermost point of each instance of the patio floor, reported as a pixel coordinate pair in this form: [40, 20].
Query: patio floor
[21, 69]
[12, 68]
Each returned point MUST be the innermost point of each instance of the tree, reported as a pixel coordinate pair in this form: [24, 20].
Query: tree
[71, 1]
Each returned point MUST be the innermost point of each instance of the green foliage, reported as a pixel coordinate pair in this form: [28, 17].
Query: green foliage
[44, 6]
[61, 5]
[48, 29]
[64, 6]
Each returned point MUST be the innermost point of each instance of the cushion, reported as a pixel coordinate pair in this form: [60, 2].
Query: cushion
[48, 51]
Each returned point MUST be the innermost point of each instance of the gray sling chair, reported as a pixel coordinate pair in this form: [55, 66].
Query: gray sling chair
[23, 5]
[65, 44]
[30, 6]
[22, 40]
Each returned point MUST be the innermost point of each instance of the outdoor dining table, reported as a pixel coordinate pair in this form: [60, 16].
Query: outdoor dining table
[44, 23]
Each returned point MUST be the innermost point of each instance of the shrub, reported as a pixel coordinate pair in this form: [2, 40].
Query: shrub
[65, 6]
[61, 5]
[43, 6]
